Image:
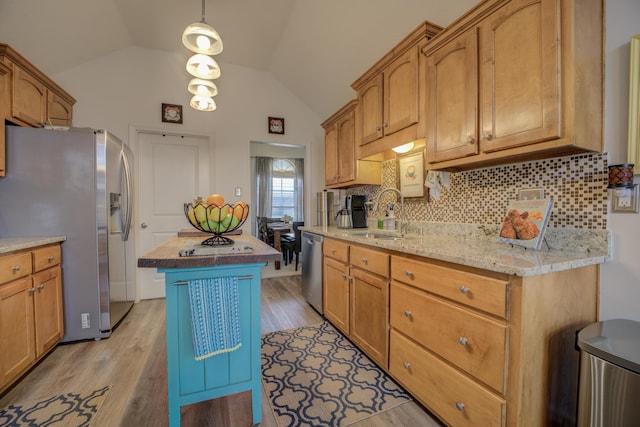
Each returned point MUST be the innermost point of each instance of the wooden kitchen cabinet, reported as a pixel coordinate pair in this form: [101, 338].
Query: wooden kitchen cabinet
[539, 68]
[30, 97]
[3, 72]
[341, 167]
[389, 95]
[356, 296]
[484, 348]
[31, 312]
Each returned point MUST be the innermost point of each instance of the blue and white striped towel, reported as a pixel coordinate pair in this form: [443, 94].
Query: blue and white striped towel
[215, 316]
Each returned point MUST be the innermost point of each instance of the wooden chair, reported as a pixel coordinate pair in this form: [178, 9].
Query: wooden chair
[263, 230]
[291, 247]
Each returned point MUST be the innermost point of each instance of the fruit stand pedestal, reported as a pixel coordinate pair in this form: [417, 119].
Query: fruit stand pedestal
[190, 380]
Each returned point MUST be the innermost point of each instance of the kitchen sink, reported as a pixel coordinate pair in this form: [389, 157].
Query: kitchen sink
[380, 236]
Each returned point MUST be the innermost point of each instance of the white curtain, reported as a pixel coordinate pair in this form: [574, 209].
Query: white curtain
[264, 178]
[299, 189]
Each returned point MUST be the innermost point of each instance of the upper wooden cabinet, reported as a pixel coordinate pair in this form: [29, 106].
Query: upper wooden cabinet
[30, 97]
[389, 95]
[513, 81]
[3, 72]
[341, 167]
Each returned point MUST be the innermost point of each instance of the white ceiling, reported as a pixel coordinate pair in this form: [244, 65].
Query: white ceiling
[316, 48]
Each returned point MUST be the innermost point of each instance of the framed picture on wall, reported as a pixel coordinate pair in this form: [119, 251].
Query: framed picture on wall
[411, 175]
[172, 113]
[276, 125]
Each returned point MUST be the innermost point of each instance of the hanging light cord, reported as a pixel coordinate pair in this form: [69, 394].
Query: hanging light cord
[203, 2]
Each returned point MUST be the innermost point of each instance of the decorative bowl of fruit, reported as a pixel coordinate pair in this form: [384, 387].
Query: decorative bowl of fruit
[216, 217]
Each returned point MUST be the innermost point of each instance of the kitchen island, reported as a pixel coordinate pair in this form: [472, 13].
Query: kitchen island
[191, 380]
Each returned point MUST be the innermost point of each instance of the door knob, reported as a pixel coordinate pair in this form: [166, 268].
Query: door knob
[144, 225]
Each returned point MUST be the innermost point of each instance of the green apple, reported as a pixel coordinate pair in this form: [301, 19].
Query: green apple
[234, 222]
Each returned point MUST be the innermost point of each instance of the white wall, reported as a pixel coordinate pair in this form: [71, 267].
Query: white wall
[127, 88]
[620, 278]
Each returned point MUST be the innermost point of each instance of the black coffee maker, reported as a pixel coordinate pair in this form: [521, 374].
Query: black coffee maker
[356, 206]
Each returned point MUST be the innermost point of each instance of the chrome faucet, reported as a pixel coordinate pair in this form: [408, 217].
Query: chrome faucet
[403, 220]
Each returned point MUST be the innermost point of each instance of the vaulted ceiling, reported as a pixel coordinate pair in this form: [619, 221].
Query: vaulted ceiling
[316, 48]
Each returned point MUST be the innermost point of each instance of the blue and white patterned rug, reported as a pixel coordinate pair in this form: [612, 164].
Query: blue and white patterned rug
[69, 410]
[314, 376]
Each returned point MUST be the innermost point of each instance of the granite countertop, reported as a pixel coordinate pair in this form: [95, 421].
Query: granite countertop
[167, 254]
[477, 246]
[11, 244]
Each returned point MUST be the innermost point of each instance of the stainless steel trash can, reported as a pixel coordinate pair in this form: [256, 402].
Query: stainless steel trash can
[609, 374]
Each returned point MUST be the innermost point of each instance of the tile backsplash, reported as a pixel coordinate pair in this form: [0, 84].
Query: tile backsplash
[577, 185]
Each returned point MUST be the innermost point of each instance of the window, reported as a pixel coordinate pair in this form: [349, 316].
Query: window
[283, 197]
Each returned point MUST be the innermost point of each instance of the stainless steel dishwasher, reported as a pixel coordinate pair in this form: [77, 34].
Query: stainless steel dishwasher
[312, 269]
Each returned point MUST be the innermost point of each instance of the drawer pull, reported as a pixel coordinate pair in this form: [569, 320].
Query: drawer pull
[333, 251]
[51, 258]
[460, 406]
[16, 268]
[462, 341]
[364, 260]
[408, 273]
[407, 313]
[464, 289]
[406, 365]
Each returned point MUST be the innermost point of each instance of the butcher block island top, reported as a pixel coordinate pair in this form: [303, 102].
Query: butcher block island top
[167, 254]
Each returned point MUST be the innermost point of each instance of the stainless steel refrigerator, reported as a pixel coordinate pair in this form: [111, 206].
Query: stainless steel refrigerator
[76, 183]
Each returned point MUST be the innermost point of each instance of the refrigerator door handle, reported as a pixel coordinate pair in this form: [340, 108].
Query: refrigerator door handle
[127, 177]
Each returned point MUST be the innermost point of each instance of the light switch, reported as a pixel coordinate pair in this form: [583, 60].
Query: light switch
[238, 191]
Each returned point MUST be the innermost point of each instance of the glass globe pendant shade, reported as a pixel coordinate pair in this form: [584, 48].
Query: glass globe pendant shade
[199, 37]
[203, 67]
[203, 88]
[202, 103]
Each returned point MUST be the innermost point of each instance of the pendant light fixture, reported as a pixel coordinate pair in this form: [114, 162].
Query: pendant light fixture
[203, 88]
[200, 37]
[202, 103]
[203, 67]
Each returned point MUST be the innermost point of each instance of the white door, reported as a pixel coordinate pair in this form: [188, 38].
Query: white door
[172, 170]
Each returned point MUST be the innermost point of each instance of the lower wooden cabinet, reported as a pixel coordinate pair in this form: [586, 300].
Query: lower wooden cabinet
[31, 311]
[356, 296]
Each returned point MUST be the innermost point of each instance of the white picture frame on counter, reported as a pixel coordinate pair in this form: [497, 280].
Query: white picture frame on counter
[411, 175]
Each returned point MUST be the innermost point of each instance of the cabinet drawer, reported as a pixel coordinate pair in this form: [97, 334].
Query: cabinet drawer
[46, 257]
[450, 394]
[15, 266]
[481, 292]
[336, 250]
[371, 260]
[472, 342]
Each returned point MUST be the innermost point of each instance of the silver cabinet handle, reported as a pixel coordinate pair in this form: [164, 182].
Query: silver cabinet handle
[407, 313]
[41, 286]
[462, 341]
[471, 140]
[144, 225]
[364, 260]
[16, 268]
[378, 128]
[406, 365]
[51, 258]
[344, 276]
[460, 406]
[32, 290]
[385, 125]
[464, 289]
[333, 251]
[487, 136]
[408, 273]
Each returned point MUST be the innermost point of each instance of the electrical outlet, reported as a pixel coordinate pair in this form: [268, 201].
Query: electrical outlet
[530, 194]
[624, 200]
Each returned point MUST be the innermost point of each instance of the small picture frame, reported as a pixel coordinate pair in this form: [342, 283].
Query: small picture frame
[172, 113]
[411, 175]
[276, 125]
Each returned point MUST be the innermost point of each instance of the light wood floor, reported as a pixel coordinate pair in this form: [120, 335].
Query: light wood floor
[133, 362]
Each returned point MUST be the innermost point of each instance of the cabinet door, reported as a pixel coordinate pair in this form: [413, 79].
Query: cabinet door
[452, 101]
[16, 329]
[336, 293]
[59, 111]
[48, 309]
[370, 101]
[369, 314]
[331, 155]
[28, 98]
[520, 70]
[401, 93]
[346, 148]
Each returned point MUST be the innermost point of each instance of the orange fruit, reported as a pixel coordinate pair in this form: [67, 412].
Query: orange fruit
[215, 199]
[239, 210]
